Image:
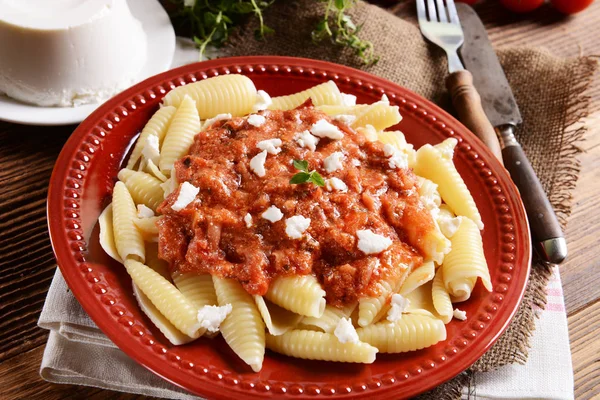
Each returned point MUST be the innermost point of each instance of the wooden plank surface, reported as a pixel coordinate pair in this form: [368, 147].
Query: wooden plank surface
[27, 155]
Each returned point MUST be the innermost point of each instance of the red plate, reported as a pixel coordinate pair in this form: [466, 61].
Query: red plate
[82, 183]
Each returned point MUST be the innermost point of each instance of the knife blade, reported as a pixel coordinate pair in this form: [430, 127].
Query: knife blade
[501, 109]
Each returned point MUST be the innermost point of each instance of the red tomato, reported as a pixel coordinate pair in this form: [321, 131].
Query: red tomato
[571, 6]
[469, 2]
[522, 6]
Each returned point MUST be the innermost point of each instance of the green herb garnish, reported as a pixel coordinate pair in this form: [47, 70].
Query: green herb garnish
[211, 22]
[345, 32]
[306, 176]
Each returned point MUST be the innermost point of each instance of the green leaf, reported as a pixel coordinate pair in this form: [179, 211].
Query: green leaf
[339, 4]
[267, 30]
[300, 177]
[301, 165]
[210, 19]
[317, 179]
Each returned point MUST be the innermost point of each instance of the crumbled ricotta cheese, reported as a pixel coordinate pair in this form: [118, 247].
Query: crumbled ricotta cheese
[334, 161]
[348, 99]
[151, 150]
[296, 226]
[256, 120]
[211, 317]
[399, 305]
[248, 220]
[272, 214]
[187, 194]
[372, 243]
[335, 184]
[263, 101]
[257, 164]
[345, 331]
[384, 99]
[397, 159]
[460, 314]
[356, 162]
[272, 146]
[448, 225]
[298, 119]
[216, 118]
[305, 139]
[144, 212]
[325, 129]
[345, 118]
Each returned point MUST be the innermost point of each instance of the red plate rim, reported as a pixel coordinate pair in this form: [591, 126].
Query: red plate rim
[66, 248]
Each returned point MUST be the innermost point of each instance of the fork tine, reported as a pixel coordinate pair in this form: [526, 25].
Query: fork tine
[441, 11]
[431, 11]
[452, 12]
[421, 13]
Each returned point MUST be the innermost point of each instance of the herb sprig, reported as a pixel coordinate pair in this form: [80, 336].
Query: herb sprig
[344, 32]
[306, 176]
[211, 22]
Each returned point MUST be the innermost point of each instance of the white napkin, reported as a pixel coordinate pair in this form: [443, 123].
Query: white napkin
[548, 373]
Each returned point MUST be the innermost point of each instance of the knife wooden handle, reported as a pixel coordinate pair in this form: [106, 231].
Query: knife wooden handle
[467, 103]
[544, 225]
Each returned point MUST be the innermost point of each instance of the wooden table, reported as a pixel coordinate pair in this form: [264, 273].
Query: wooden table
[27, 263]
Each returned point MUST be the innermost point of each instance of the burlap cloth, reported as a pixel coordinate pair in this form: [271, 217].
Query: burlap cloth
[549, 92]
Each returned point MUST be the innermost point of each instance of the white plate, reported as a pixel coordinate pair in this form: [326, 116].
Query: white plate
[161, 47]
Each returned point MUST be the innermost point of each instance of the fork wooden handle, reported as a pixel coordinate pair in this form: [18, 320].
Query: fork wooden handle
[467, 103]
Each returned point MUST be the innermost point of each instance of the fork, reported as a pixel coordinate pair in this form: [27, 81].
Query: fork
[443, 29]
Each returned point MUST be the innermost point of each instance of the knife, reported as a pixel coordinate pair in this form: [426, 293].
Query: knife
[501, 109]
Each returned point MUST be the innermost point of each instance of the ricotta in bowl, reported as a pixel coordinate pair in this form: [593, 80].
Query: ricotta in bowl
[68, 52]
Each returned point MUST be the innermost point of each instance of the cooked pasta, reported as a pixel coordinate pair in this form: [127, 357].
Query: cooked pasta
[198, 289]
[156, 126]
[411, 332]
[128, 239]
[324, 94]
[435, 167]
[172, 334]
[396, 139]
[165, 297]
[330, 318]
[248, 343]
[314, 345]
[418, 277]
[233, 94]
[148, 228]
[379, 115]
[300, 294]
[152, 261]
[180, 135]
[153, 170]
[441, 298]
[369, 307]
[277, 319]
[229, 253]
[341, 109]
[145, 189]
[107, 236]
[465, 262]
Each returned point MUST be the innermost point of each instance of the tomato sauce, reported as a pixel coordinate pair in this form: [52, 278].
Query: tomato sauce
[210, 234]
